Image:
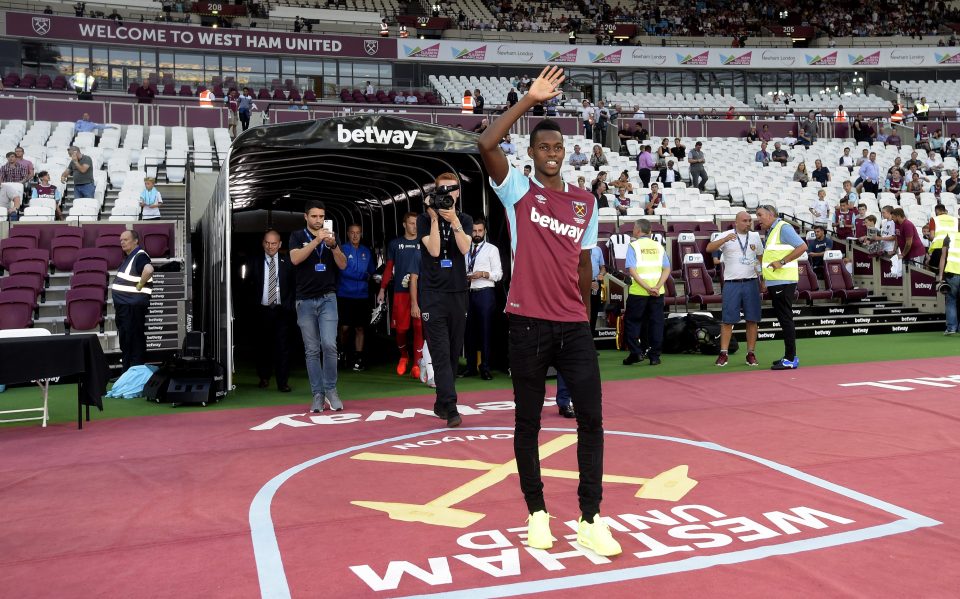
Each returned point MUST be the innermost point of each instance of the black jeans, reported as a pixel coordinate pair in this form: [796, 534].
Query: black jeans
[444, 316]
[273, 354]
[782, 298]
[643, 325]
[244, 119]
[871, 187]
[644, 174]
[535, 345]
[479, 322]
[131, 320]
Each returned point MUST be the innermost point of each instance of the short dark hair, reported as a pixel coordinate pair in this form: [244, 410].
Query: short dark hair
[408, 215]
[544, 125]
[940, 208]
[314, 204]
[844, 200]
[820, 227]
[480, 220]
[9, 154]
[42, 174]
[898, 212]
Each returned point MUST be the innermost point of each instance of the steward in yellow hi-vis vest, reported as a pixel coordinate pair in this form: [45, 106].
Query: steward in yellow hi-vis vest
[781, 273]
[949, 282]
[649, 268]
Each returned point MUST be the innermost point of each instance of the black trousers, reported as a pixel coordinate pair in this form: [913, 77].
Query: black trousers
[643, 325]
[480, 310]
[244, 119]
[871, 187]
[644, 177]
[444, 316]
[782, 298]
[934, 263]
[131, 322]
[273, 356]
[535, 345]
[596, 305]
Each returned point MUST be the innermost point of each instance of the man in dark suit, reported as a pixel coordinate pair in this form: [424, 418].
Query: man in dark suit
[272, 291]
[669, 175]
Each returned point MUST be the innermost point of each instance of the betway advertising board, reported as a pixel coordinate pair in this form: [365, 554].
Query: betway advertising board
[663, 57]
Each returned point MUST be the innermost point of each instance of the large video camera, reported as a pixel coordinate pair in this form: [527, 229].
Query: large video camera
[441, 198]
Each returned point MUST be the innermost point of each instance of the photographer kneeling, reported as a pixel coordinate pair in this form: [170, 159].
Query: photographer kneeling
[443, 289]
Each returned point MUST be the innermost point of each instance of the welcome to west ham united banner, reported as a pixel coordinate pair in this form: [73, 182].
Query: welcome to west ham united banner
[163, 35]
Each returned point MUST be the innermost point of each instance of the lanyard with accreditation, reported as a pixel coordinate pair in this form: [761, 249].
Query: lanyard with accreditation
[320, 266]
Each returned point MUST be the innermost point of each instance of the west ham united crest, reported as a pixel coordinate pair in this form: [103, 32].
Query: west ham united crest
[579, 209]
[371, 47]
[41, 25]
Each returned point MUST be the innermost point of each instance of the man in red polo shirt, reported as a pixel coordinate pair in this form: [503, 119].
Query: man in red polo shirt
[908, 238]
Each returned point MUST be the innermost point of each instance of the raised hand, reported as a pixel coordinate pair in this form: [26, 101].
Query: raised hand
[547, 85]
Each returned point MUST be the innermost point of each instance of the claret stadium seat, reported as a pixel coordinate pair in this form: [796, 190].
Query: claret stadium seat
[697, 282]
[808, 288]
[838, 280]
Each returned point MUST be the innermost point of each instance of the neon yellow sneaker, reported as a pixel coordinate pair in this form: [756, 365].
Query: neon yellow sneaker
[596, 536]
[538, 530]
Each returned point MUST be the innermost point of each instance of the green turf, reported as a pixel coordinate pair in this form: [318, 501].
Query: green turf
[383, 382]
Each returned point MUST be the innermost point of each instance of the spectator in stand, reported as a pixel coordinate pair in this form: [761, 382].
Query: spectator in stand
[85, 125]
[765, 133]
[245, 105]
[150, 200]
[820, 209]
[598, 159]
[370, 90]
[763, 156]
[645, 164]
[698, 172]
[601, 116]
[895, 184]
[779, 154]
[353, 301]
[821, 174]
[81, 169]
[508, 147]
[582, 182]
[888, 232]
[915, 184]
[952, 146]
[481, 126]
[860, 222]
[599, 190]
[512, 97]
[655, 201]
[412, 98]
[232, 103]
[953, 183]
[44, 190]
[527, 169]
[870, 174]
[871, 236]
[892, 139]
[932, 166]
[846, 160]
[642, 133]
[849, 193]
[578, 158]
[937, 141]
[801, 175]
[897, 166]
[844, 220]
[622, 201]
[937, 188]
[678, 150]
[145, 93]
[587, 116]
[623, 182]
[663, 152]
[13, 176]
[808, 130]
[914, 161]
[669, 175]
[18, 152]
[908, 238]
[400, 98]
[818, 246]
[922, 138]
[753, 135]
[477, 102]
[626, 133]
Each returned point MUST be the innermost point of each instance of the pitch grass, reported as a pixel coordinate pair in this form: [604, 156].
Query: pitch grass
[382, 381]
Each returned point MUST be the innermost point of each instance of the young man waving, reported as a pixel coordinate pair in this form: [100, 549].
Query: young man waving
[553, 228]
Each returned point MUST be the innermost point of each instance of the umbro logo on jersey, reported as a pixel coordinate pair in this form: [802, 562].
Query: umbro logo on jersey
[541, 199]
[563, 229]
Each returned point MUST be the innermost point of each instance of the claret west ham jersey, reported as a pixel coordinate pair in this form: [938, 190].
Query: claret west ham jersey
[548, 230]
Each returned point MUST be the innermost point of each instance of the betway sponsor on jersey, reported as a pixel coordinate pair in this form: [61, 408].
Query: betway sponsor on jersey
[563, 229]
[377, 136]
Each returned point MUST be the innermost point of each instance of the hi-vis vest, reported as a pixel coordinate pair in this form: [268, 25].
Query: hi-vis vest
[403, 32]
[384, 30]
[206, 98]
[952, 265]
[126, 281]
[649, 264]
[467, 105]
[922, 108]
[840, 116]
[775, 250]
[946, 225]
[897, 117]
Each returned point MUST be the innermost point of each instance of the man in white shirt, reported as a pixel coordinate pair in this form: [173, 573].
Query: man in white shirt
[888, 231]
[370, 90]
[821, 209]
[483, 271]
[587, 116]
[741, 251]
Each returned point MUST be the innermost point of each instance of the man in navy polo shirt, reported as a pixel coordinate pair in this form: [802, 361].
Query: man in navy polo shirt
[317, 257]
[353, 293]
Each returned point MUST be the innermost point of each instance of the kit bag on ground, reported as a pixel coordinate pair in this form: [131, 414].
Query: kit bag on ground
[694, 333]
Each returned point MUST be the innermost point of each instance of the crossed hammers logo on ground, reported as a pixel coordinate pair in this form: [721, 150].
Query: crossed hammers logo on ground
[670, 485]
